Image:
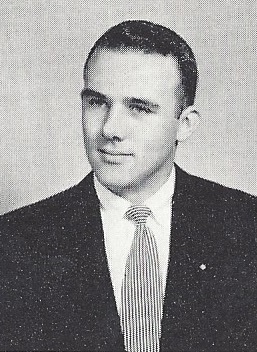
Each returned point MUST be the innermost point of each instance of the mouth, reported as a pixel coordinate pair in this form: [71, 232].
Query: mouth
[114, 153]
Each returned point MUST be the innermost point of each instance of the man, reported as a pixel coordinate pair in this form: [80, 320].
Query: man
[139, 256]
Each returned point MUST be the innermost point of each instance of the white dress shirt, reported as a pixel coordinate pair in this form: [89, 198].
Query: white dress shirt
[119, 232]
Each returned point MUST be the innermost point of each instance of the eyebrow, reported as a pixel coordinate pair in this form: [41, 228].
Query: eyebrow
[142, 101]
[90, 92]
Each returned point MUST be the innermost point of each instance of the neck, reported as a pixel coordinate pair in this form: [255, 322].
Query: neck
[138, 194]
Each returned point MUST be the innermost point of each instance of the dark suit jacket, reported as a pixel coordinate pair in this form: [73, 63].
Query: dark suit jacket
[56, 291]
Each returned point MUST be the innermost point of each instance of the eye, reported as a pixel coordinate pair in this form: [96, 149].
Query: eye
[140, 108]
[95, 101]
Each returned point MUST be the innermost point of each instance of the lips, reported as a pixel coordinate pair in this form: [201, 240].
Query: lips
[114, 152]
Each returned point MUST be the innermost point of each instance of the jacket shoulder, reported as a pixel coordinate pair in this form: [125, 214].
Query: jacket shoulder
[62, 204]
[228, 214]
[210, 191]
[213, 200]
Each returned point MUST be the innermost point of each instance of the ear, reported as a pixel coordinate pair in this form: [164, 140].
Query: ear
[187, 123]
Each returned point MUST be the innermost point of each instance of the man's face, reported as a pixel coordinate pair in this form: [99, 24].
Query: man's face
[131, 105]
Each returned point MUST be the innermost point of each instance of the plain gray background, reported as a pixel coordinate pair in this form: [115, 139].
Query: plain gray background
[43, 47]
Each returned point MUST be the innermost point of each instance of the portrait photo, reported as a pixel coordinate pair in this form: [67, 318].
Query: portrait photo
[128, 198]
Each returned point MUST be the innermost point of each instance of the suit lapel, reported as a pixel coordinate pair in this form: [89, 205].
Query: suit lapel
[103, 317]
[181, 310]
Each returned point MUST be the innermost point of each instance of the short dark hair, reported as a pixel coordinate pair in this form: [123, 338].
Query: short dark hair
[150, 38]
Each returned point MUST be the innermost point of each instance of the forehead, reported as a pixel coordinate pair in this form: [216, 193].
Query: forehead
[131, 72]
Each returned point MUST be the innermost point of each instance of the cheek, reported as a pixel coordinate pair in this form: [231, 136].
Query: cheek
[91, 125]
[158, 147]
[160, 137]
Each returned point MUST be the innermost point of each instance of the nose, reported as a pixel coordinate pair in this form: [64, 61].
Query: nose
[114, 126]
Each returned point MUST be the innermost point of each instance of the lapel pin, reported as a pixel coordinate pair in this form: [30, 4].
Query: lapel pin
[202, 266]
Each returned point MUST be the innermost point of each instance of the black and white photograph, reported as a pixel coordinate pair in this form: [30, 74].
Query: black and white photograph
[128, 197]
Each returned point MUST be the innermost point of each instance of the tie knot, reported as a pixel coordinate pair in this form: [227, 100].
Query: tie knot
[138, 214]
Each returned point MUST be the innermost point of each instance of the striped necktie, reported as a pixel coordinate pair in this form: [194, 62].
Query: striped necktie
[141, 292]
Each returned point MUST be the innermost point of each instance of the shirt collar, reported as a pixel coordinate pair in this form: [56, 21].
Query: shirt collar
[114, 203]
[164, 195]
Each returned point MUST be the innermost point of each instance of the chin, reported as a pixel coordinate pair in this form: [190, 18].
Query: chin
[114, 181]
